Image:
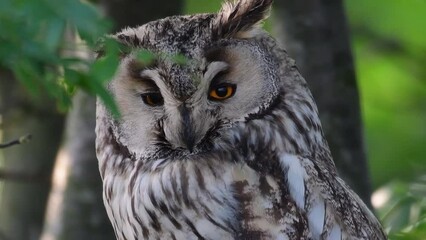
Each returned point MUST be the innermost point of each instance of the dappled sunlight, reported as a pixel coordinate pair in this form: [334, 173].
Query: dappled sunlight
[401, 207]
[380, 197]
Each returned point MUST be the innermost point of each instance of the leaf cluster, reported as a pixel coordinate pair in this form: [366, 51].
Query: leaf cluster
[34, 41]
[404, 213]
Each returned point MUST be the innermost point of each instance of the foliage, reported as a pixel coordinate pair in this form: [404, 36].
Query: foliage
[33, 42]
[403, 209]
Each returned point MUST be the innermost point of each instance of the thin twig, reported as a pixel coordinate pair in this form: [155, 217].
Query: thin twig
[21, 140]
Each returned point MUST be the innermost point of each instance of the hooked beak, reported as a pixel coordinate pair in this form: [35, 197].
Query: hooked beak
[188, 133]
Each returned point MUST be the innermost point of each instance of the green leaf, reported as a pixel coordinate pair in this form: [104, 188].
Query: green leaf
[54, 33]
[105, 67]
[145, 56]
[28, 75]
[106, 97]
[180, 59]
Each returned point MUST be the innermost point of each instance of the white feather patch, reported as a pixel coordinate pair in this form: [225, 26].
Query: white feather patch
[295, 178]
[335, 233]
[316, 217]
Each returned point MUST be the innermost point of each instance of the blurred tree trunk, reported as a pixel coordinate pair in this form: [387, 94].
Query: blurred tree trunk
[76, 209]
[315, 33]
[26, 169]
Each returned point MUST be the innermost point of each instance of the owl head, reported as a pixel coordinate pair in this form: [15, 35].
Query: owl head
[233, 73]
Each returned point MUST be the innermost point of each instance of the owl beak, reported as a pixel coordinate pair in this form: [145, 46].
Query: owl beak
[188, 133]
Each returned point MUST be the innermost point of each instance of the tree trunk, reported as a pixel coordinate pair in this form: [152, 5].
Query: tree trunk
[76, 209]
[315, 33]
[25, 169]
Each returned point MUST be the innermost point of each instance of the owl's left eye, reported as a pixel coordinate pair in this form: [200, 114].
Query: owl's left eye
[222, 91]
[152, 99]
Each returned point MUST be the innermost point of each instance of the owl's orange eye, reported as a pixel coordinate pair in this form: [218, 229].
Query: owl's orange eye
[152, 99]
[222, 92]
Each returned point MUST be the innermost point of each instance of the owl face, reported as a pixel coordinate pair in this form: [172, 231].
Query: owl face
[226, 77]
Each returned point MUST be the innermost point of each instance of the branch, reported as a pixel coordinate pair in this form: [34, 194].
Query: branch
[21, 140]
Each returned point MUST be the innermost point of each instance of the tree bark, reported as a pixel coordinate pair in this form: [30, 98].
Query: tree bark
[26, 168]
[76, 209]
[315, 33]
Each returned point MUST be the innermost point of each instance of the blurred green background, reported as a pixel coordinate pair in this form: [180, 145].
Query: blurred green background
[389, 47]
[389, 40]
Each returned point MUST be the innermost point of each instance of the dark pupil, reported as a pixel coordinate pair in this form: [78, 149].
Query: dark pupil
[221, 91]
[156, 98]
[153, 99]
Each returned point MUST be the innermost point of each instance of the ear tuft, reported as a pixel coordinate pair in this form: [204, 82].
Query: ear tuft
[239, 19]
[128, 37]
[119, 44]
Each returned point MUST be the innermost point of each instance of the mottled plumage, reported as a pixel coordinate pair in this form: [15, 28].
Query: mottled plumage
[226, 145]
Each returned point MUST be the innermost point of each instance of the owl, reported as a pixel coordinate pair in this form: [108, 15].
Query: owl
[226, 144]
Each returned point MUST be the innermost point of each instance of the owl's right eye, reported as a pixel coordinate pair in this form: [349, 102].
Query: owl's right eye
[153, 99]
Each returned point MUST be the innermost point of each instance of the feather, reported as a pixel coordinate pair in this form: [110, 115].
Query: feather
[238, 19]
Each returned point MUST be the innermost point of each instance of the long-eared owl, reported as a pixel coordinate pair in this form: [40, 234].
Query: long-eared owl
[226, 144]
